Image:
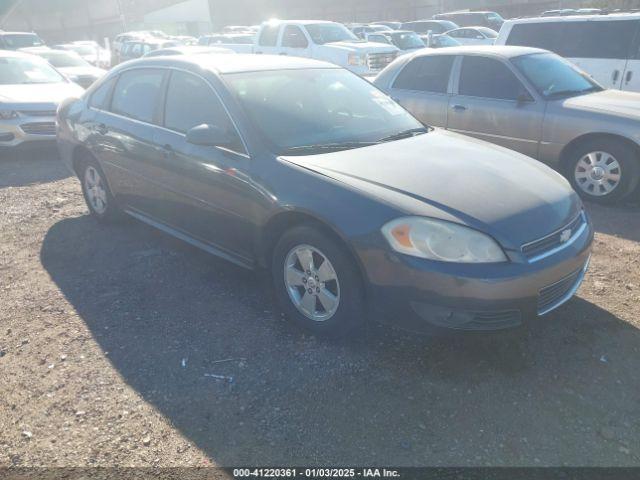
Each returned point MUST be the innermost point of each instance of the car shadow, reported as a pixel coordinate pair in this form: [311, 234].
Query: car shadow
[27, 167]
[199, 339]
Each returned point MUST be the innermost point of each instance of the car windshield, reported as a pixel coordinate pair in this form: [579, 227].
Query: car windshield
[553, 76]
[407, 40]
[322, 33]
[20, 70]
[315, 110]
[63, 59]
[21, 40]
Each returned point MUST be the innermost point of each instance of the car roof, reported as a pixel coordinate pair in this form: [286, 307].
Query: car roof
[224, 63]
[577, 18]
[304, 22]
[501, 51]
[2, 32]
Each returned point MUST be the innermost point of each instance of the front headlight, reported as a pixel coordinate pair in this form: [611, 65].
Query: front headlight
[441, 240]
[356, 59]
[8, 114]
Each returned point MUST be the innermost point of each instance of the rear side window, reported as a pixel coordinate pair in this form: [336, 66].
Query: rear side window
[426, 74]
[488, 78]
[269, 36]
[137, 94]
[100, 98]
[191, 102]
[294, 38]
[593, 39]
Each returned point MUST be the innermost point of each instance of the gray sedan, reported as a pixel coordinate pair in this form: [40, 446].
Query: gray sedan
[531, 101]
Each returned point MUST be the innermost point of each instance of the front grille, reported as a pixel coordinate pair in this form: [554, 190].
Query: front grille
[494, 320]
[555, 294]
[537, 248]
[38, 113]
[377, 61]
[39, 128]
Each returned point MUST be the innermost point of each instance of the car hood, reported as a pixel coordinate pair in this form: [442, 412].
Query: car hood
[612, 102]
[363, 47]
[83, 71]
[449, 176]
[39, 94]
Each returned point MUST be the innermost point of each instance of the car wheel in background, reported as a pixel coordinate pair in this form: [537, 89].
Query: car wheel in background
[97, 195]
[603, 171]
[317, 283]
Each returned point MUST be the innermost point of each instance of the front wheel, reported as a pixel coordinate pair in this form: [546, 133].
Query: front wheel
[604, 171]
[317, 282]
[97, 195]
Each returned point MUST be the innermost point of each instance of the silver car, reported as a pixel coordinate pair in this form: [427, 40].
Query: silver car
[30, 91]
[531, 101]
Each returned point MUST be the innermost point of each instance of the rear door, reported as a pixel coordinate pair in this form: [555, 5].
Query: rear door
[422, 87]
[208, 192]
[492, 104]
[268, 40]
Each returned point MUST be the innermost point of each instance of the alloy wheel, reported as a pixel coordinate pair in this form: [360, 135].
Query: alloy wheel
[597, 173]
[96, 191]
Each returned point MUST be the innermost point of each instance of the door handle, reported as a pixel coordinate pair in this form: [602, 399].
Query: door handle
[458, 108]
[102, 129]
[614, 77]
[628, 77]
[167, 151]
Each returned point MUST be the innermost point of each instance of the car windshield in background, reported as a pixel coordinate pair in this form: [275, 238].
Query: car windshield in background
[318, 110]
[14, 71]
[21, 40]
[322, 33]
[553, 76]
[62, 59]
[407, 40]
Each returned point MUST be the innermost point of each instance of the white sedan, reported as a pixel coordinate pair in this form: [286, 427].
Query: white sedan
[474, 35]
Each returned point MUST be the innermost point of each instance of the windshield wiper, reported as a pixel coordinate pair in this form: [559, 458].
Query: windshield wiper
[412, 132]
[326, 147]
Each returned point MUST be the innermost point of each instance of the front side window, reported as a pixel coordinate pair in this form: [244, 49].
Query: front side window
[426, 74]
[100, 98]
[301, 111]
[488, 78]
[137, 94]
[294, 38]
[191, 102]
[322, 33]
[553, 76]
[269, 35]
[23, 70]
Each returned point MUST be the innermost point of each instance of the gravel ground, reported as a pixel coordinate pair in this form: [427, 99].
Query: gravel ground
[110, 335]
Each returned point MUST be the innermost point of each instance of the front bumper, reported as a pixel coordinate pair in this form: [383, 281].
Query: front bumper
[27, 129]
[424, 296]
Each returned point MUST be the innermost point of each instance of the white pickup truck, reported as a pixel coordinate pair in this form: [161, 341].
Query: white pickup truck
[322, 40]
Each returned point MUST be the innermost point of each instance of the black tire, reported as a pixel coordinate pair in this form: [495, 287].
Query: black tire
[111, 211]
[350, 312]
[629, 170]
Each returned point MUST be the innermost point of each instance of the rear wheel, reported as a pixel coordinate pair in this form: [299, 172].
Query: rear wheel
[603, 170]
[97, 195]
[317, 282]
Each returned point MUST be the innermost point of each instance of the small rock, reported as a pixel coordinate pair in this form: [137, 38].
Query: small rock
[604, 359]
[146, 441]
[629, 286]
[80, 413]
[63, 357]
[27, 434]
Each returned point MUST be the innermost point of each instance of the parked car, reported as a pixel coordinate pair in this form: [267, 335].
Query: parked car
[30, 91]
[490, 20]
[425, 26]
[404, 40]
[139, 48]
[531, 101]
[392, 25]
[361, 31]
[440, 41]
[605, 46]
[306, 169]
[90, 51]
[188, 50]
[238, 42]
[70, 64]
[474, 35]
[18, 40]
[328, 41]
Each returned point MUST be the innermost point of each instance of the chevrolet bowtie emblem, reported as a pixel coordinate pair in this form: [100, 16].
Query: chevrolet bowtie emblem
[565, 235]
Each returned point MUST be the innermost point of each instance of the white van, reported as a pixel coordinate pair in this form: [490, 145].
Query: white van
[604, 46]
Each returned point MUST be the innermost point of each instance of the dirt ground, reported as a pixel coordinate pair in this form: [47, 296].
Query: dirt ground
[110, 335]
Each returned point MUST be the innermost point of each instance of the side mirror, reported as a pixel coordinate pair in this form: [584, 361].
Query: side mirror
[209, 135]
